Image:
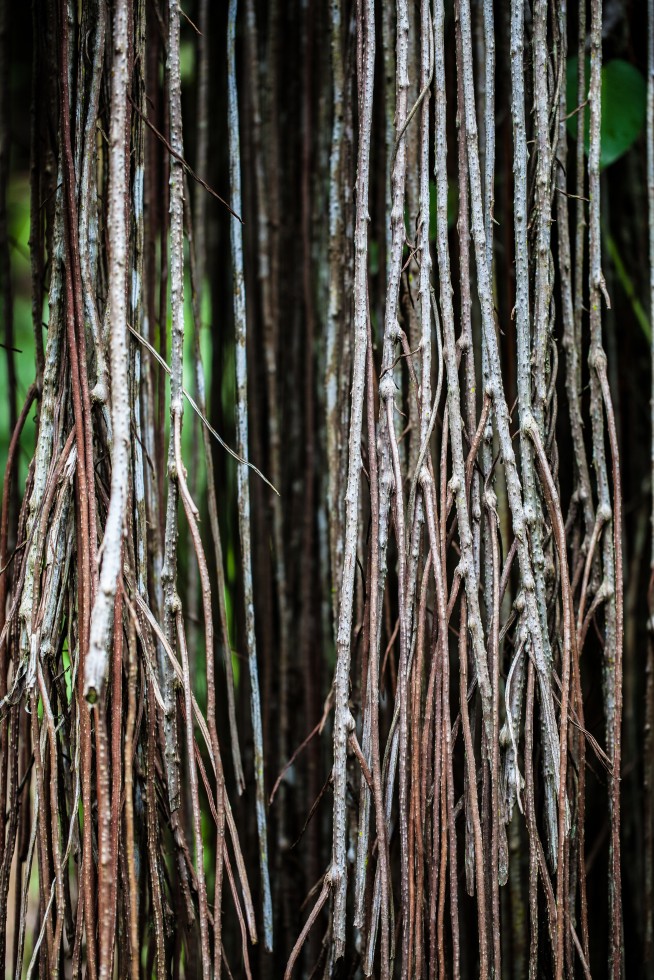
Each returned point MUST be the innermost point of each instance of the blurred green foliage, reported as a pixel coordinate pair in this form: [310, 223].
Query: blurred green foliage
[624, 101]
[18, 209]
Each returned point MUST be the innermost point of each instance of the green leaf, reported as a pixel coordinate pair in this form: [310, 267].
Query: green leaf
[187, 60]
[624, 95]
